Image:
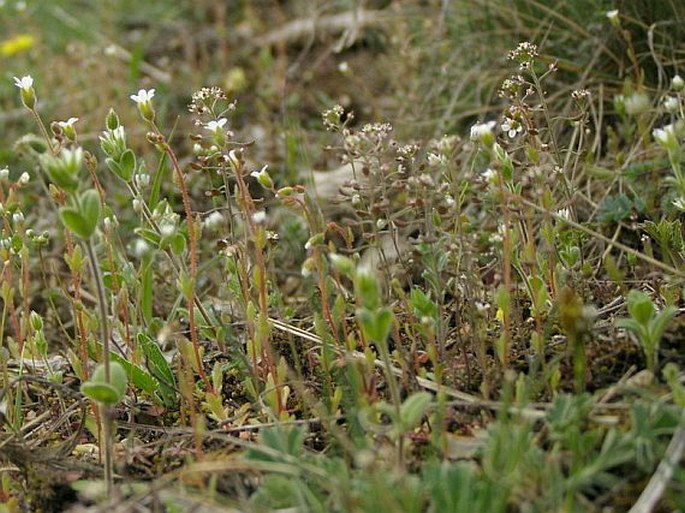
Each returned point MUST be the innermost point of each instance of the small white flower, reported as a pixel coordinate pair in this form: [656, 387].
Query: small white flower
[24, 178]
[677, 83]
[18, 217]
[167, 229]
[436, 159]
[483, 132]
[68, 123]
[512, 127]
[488, 175]
[140, 247]
[110, 222]
[666, 137]
[482, 307]
[142, 180]
[143, 96]
[213, 126]
[263, 177]
[613, 17]
[259, 217]
[637, 103]
[213, 220]
[671, 104]
[564, 213]
[24, 83]
[68, 128]
[4, 173]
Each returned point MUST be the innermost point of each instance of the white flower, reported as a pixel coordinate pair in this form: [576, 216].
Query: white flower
[483, 132]
[24, 178]
[213, 220]
[142, 180]
[4, 173]
[512, 127]
[213, 126]
[637, 103]
[564, 213]
[68, 123]
[143, 96]
[144, 101]
[488, 175]
[166, 228]
[24, 83]
[259, 217]
[140, 247]
[666, 137]
[436, 159]
[68, 128]
[613, 17]
[677, 83]
[671, 104]
[263, 177]
[482, 307]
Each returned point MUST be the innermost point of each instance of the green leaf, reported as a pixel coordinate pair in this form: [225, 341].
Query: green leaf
[102, 393]
[159, 368]
[367, 289]
[113, 166]
[658, 325]
[178, 243]
[107, 393]
[640, 306]
[375, 325]
[75, 222]
[83, 217]
[413, 409]
[157, 182]
[140, 378]
[127, 165]
[633, 326]
[150, 236]
[91, 207]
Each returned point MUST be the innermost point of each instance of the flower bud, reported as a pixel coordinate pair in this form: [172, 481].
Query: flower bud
[112, 120]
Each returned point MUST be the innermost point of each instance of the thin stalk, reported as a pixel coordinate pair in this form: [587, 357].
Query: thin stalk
[192, 252]
[104, 335]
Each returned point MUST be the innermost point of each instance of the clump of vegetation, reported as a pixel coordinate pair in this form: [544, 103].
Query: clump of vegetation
[486, 320]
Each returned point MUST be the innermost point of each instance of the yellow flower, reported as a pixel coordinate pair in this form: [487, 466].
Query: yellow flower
[17, 44]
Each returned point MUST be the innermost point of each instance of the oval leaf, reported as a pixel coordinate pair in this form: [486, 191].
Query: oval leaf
[75, 222]
[127, 165]
[100, 392]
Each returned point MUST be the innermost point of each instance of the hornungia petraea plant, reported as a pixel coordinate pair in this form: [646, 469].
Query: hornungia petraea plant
[465, 263]
[80, 213]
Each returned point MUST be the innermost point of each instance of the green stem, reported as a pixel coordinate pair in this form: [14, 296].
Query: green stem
[105, 410]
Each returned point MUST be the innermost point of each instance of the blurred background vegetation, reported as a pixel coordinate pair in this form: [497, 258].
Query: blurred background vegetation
[430, 67]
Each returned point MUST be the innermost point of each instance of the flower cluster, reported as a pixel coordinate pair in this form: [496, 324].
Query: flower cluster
[524, 54]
